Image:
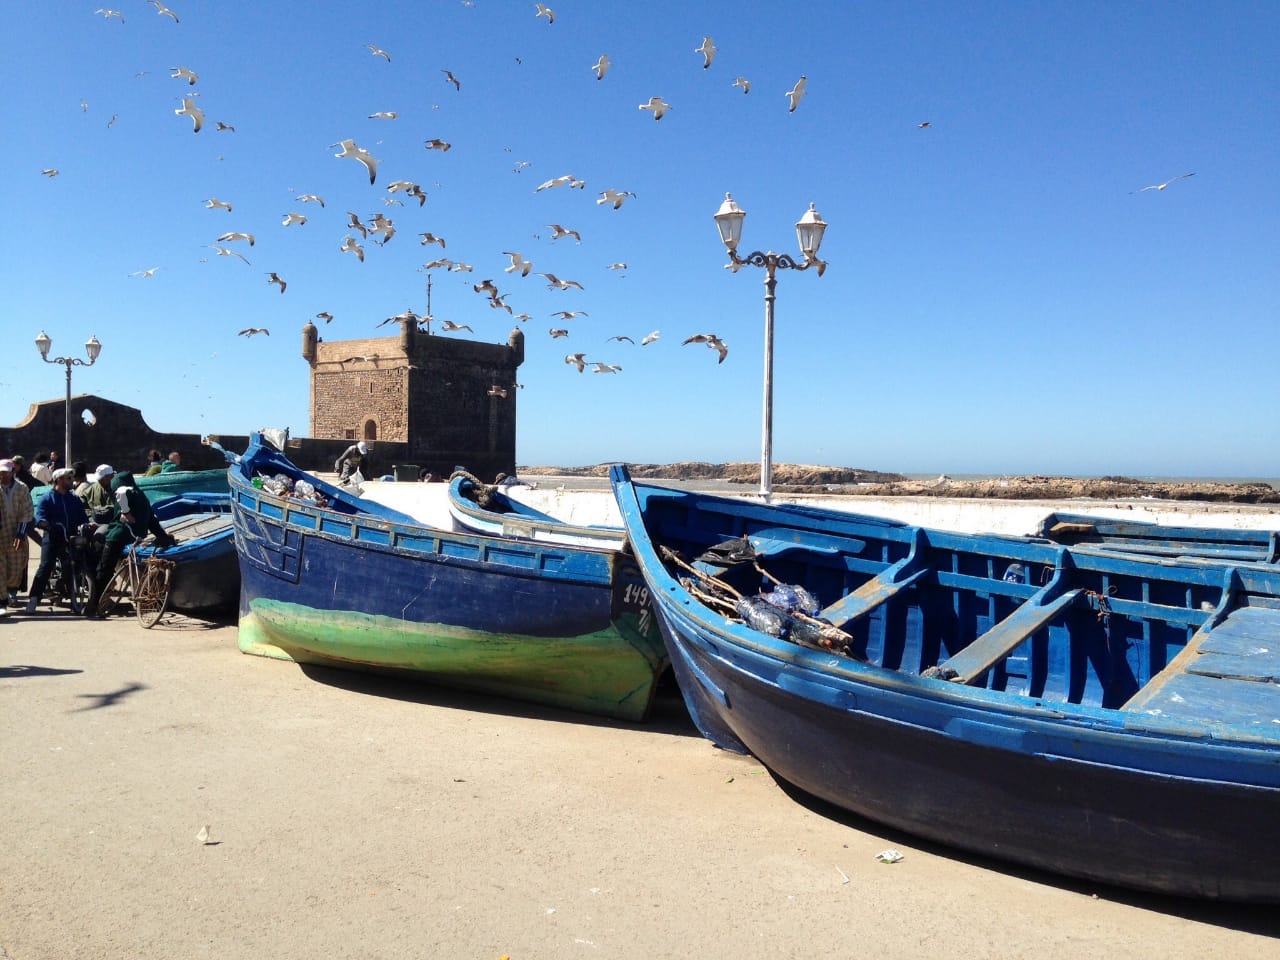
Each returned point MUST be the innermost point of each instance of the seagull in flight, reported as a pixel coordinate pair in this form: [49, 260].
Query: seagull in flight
[230, 237]
[1161, 186]
[325, 315]
[598, 367]
[579, 360]
[601, 66]
[657, 105]
[648, 338]
[557, 333]
[145, 273]
[431, 238]
[311, 198]
[744, 83]
[712, 341]
[228, 252]
[448, 326]
[708, 51]
[620, 265]
[292, 218]
[349, 245]
[616, 197]
[384, 115]
[355, 224]
[162, 10]
[437, 144]
[518, 262]
[558, 232]
[382, 227]
[442, 262]
[111, 13]
[184, 73]
[570, 314]
[349, 149]
[378, 52]
[273, 277]
[189, 109]
[448, 75]
[485, 286]
[796, 93]
[50, 172]
[567, 180]
[555, 283]
[250, 331]
[545, 11]
[224, 126]
[410, 188]
[621, 337]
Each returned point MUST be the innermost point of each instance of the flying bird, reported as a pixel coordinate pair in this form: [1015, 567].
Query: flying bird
[431, 238]
[224, 126]
[657, 105]
[545, 11]
[355, 224]
[796, 93]
[556, 333]
[621, 337]
[162, 10]
[228, 252]
[558, 232]
[620, 265]
[1161, 186]
[485, 286]
[460, 268]
[518, 263]
[449, 326]
[273, 277]
[349, 245]
[555, 283]
[145, 273]
[378, 52]
[349, 149]
[448, 75]
[230, 237]
[250, 331]
[325, 315]
[442, 262]
[601, 66]
[649, 338]
[567, 180]
[108, 14]
[382, 227]
[189, 109]
[311, 198]
[184, 73]
[598, 367]
[616, 197]
[437, 144]
[924, 125]
[708, 51]
[291, 218]
[579, 360]
[50, 172]
[712, 341]
[570, 314]
[744, 83]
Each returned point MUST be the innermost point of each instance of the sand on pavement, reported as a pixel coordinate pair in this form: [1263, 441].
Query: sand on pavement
[361, 816]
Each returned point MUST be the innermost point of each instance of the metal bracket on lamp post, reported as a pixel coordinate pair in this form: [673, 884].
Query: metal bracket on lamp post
[92, 348]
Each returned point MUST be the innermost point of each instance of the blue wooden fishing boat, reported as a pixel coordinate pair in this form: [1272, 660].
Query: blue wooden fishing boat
[206, 577]
[486, 508]
[1099, 715]
[1161, 540]
[158, 486]
[327, 577]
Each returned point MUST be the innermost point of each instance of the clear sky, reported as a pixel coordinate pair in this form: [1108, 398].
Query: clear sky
[1001, 295]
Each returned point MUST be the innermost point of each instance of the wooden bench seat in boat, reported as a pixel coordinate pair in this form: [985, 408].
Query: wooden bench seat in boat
[1229, 673]
[972, 663]
[880, 589]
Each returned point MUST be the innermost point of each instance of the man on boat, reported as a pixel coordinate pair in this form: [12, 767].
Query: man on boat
[59, 515]
[354, 458]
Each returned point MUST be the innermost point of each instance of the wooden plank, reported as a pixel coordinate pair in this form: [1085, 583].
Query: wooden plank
[882, 588]
[1249, 708]
[985, 651]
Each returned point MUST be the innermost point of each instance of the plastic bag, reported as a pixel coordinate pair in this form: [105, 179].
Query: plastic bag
[791, 597]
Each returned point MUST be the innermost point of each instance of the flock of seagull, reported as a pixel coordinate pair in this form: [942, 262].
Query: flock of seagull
[381, 229]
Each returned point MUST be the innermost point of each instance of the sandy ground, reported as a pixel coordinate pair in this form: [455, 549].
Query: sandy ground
[356, 816]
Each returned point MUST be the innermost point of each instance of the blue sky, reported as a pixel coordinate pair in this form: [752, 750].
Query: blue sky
[1000, 296]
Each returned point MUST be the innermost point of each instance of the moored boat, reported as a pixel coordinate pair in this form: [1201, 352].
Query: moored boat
[328, 577]
[161, 485]
[1099, 715]
[1162, 540]
[205, 581]
[488, 509]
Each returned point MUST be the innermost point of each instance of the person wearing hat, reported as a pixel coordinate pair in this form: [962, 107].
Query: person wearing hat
[16, 514]
[98, 501]
[355, 457]
[134, 519]
[59, 514]
[22, 474]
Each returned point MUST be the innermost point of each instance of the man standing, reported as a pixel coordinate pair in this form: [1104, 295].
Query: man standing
[16, 514]
[173, 463]
[59, 514]
[99, 503]
[353, 459]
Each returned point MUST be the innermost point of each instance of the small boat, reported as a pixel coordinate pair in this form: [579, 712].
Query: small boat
[205, 581]
[161, 485]
[328, 577]
[1161, 540]
[1100, 715]
[486, 508]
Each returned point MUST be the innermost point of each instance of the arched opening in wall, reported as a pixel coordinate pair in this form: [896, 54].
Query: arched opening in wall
[370, 430]
[88, 417]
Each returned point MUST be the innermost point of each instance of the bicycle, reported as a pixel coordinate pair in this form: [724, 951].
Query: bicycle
[71, 580]
[145, 582]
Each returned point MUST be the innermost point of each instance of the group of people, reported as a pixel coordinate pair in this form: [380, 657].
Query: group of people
[106, 507]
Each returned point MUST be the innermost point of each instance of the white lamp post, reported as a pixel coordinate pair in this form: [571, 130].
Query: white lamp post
[92, 347]
[809, 230]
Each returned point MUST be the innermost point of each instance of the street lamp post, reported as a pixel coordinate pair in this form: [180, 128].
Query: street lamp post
[92, 347]
[809, 230]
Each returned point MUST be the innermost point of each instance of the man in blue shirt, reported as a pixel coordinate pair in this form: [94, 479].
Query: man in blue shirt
[59, 515]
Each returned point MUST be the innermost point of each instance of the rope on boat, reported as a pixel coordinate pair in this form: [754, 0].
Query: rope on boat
[481, 494]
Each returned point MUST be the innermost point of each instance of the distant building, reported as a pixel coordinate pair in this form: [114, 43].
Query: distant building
[434, 394]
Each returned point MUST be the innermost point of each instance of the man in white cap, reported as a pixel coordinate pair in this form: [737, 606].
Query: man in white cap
[59, 515]
[16, 514]
[99, 502]
[354, 458]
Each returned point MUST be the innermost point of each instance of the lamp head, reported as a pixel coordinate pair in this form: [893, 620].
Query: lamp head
[43, 343]
[809, 230]
[729, 222]
[92, 347]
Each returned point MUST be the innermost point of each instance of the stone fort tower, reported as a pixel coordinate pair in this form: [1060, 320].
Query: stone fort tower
[440, 396]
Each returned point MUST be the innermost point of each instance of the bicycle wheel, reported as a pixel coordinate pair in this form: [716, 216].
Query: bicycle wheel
[80, 587]
[152, 595]
[117, 587]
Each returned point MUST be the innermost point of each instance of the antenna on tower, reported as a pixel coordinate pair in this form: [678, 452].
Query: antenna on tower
[428, 317]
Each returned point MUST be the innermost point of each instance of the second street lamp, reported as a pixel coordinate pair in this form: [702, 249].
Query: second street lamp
[809, 231]
[92, 347]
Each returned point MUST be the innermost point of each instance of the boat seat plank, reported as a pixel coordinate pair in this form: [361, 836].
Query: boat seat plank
[1245, 705]
[985, 651]
[875, 592]
[1257, 625]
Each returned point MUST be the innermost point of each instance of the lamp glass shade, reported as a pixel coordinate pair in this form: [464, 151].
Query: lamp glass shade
[809, 230]
[43, 343]
[92, 347]
[729, 222]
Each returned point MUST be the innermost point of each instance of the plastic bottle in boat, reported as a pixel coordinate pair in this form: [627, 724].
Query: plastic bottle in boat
[761, 615]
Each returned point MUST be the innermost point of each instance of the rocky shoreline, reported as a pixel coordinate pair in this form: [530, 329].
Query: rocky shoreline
[852, 482]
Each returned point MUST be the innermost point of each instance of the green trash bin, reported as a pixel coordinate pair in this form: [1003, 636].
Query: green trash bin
[405, 472]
